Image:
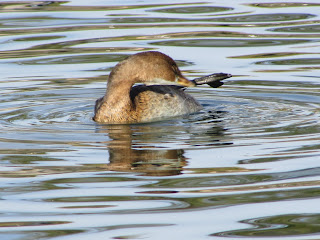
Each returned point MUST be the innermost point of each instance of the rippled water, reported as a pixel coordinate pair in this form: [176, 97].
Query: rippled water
[246, 167]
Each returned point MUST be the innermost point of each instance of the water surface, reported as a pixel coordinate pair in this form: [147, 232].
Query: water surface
[246, 166]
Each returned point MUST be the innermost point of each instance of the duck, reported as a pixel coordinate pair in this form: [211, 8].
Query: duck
[146, 87]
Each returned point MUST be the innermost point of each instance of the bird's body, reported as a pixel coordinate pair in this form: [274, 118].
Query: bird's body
[160, 97]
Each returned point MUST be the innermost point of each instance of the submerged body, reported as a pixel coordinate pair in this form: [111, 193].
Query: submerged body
[160, 98]
[149, 103]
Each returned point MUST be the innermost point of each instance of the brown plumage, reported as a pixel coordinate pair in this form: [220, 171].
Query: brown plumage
[125, 103]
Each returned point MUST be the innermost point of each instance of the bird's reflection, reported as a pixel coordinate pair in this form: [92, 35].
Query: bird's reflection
[155, 149]
[127, 154]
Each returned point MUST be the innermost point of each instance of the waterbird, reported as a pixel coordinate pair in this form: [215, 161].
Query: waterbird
[159, 94]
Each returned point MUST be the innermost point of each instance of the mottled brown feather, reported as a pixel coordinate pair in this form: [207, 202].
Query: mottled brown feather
[125, 103]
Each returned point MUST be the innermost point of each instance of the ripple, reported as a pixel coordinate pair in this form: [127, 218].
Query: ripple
[120, 204]
[37, 38]
[31, 223]
[315, 28]
[36, 234]
[87, 58]
[193, 10]
[255, 113]
[44, 21]
[267, 17]
[292, 61]
[232, 180]
[229, 42]
[284, 4]
[279, 225]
